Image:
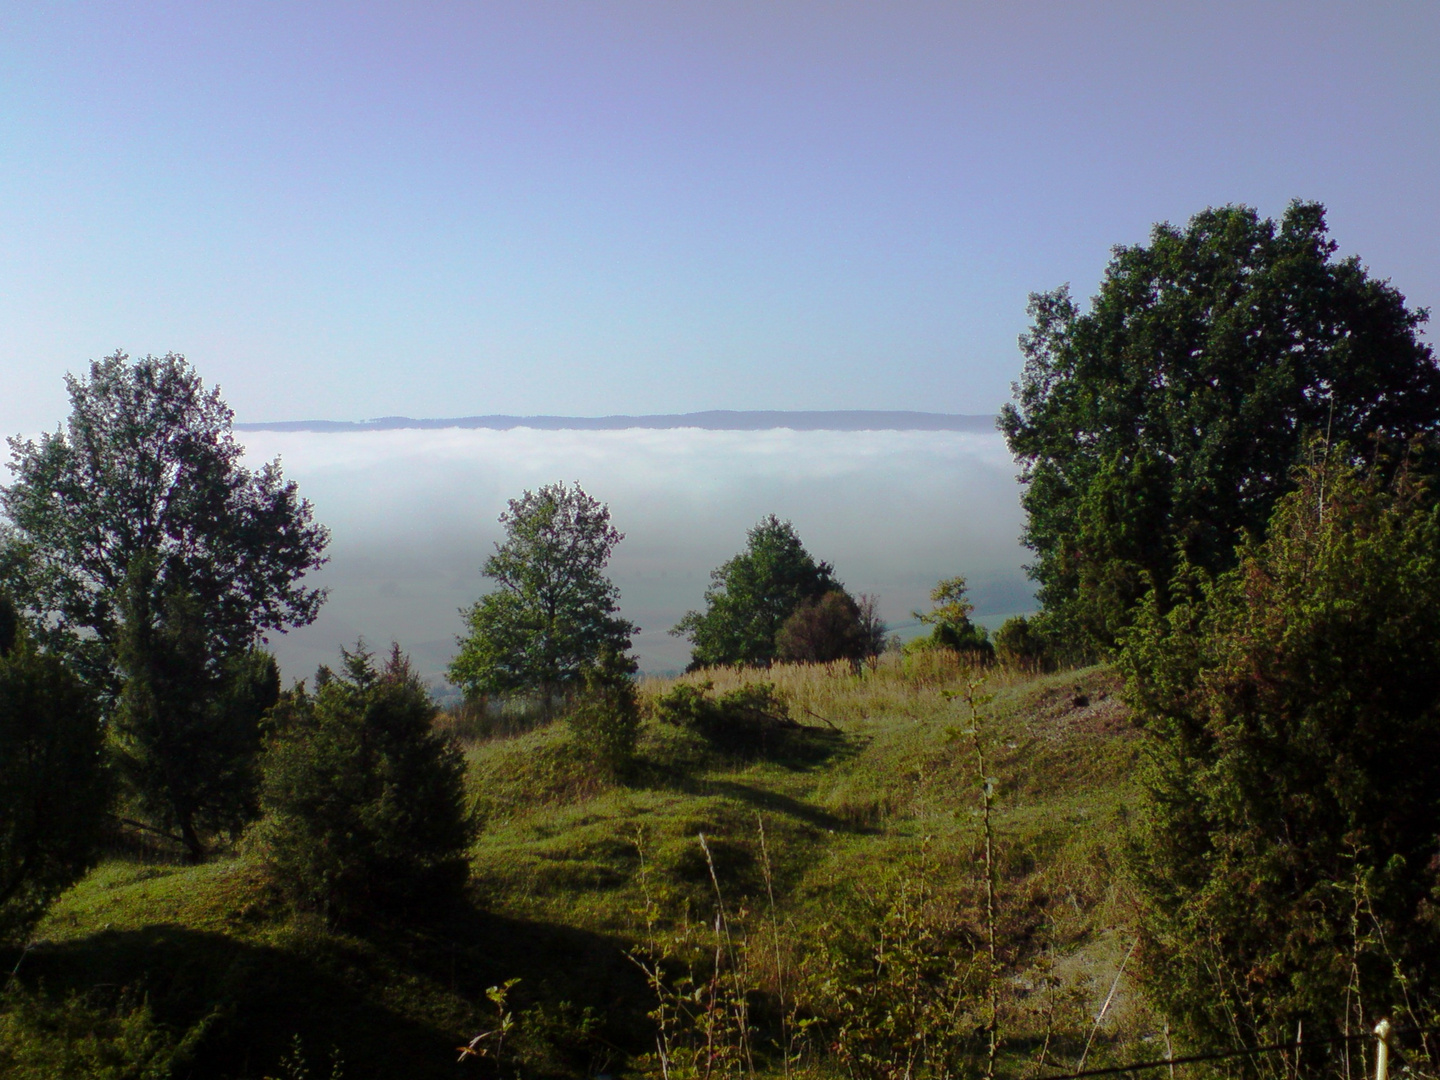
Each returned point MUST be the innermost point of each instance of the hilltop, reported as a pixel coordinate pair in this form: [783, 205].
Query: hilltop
[873, 803]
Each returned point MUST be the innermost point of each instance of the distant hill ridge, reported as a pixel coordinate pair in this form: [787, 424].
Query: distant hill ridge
[713, 420]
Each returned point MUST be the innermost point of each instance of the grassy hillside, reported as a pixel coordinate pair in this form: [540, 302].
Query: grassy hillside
[866, 821]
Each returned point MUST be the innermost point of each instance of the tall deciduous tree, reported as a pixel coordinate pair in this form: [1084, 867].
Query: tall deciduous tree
[54, 791]
[147, 466]
[1288, 835]
[154, 561]
[1165, 421]
[751, 596]
[553, 611]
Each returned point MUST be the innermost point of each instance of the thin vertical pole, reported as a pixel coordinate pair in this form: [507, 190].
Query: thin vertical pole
[1382, 1050]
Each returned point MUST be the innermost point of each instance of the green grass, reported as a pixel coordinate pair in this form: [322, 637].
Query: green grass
[884, 789]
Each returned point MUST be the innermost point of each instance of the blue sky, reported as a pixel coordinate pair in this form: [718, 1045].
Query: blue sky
[350, 210]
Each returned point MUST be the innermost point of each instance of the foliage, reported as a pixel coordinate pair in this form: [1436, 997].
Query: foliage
[950, 619]
[606, 716]
[54, 790]
[903, 988]
[751, 595]
[1020, 644]
[702, 975]
[751, 719]
[186, 729]
[363, 802]
[9, 624]
[554, 611]
[81, 1039]
[1159, 425]
[1292, 716]
[147, 466]
[831, 627]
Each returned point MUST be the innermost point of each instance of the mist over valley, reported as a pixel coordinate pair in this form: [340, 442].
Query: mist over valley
[413, 513]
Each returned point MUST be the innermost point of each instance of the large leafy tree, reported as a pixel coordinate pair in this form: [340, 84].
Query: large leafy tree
[364, 802]
[147, 468]
[150, 558]
[553, 611]
[1165, 421]
[54, 791]
[752, 595]
[1288, 834]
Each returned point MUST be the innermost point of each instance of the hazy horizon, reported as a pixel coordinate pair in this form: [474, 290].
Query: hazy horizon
[413, 514]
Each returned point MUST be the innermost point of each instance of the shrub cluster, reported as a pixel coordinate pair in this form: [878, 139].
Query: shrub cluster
[753, 719]
[364, 802]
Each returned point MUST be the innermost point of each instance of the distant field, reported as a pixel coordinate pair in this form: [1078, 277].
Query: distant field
[414, 513]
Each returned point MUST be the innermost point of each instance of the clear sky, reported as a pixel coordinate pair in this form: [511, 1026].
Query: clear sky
[358, 209]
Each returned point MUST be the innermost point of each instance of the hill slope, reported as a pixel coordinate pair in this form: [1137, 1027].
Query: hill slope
[872, 809]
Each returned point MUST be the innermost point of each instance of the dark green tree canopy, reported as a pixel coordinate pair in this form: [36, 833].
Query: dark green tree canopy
[1288, 835]
[54, 791]
[186, 727]
[147, 465]
[751, 596]
[1166, 420]
[553, 611]
[364, 802]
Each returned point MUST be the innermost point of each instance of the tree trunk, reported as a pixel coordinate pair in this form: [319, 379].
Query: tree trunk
[194, 849]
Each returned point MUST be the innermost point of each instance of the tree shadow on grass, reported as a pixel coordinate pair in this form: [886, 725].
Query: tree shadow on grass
[775, 803]
[395, 1002]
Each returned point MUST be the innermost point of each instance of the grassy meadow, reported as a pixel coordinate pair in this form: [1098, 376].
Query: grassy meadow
[858, 833]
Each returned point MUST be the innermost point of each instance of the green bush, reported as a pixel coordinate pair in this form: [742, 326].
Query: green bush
[1286, 858]
[54, 789]
[364, 803]
[951, 628]
[831, 627]
[1020, 644]
[606, 716]
[81, 1038]
[754, 719]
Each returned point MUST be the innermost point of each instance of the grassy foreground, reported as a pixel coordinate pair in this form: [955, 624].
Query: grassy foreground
[574, 873]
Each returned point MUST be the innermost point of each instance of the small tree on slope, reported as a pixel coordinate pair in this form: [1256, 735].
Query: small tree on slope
[554, 612]
[54, 792]
[364, 807]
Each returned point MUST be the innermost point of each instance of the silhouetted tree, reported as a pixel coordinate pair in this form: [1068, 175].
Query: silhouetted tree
[54, 792]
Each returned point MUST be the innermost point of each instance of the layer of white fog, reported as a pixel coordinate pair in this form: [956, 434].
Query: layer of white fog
[413, 514]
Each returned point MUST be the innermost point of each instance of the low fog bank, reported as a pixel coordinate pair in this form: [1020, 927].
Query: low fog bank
[413, 514]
